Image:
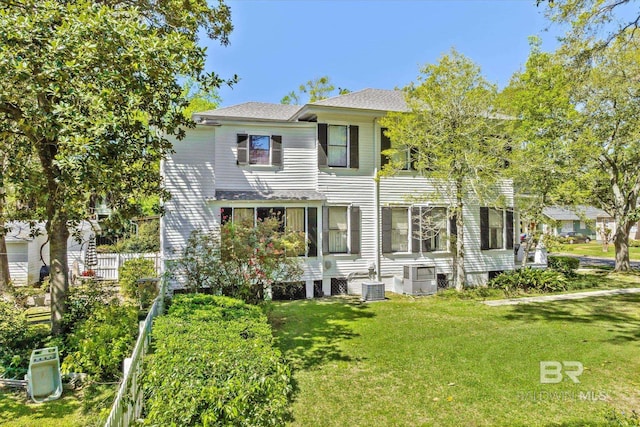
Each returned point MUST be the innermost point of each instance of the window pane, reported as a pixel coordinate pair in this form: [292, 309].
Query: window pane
[399, 230]
[496, 229]
[337, 155]
[338, 227]
[242, 215]
[295, 219]
[259, 149]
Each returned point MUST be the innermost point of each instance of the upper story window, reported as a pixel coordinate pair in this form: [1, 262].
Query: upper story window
[496, 228]
[259, 150]
[403, 156]
[338, 146]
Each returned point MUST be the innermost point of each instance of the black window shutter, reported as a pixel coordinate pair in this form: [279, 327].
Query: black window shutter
[385, 144]
[413, 158]
[355, 229]
[325, 229]
[323, 133]
[484, 228]
[386, 230]
[312, 231]
[353, 147]
[415, 231]
[453, 226]
[509, 229]
[276, 150]
[243, 150]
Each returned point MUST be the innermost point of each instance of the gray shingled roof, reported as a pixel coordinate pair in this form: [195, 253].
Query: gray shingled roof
[253, 111]
[574, 214]
[368, 99]
[269, 195]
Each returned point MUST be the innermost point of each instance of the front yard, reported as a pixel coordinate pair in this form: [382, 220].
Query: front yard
[594, 249]
[444, 361]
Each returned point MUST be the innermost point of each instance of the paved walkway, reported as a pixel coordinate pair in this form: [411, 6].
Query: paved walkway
[561, 297]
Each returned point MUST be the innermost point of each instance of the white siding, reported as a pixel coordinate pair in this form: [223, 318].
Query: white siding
[299, 162]
[18, 256]
[190, 178]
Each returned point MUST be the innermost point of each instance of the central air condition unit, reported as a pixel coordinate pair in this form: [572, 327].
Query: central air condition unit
[372, 291]
[420, 280]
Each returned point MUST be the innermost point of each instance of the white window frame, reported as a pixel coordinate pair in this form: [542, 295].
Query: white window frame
[347, 147]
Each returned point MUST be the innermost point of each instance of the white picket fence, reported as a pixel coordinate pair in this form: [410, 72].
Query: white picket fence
[108, 263]
[127, 406]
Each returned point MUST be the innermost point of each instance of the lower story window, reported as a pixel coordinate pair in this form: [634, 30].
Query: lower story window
[399, 230]
[496, 229]
[338, 229]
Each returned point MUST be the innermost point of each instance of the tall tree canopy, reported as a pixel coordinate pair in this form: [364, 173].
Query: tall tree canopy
[312, 91]
[594, 23]
[453, 135]
[583, 119]
[90, 91]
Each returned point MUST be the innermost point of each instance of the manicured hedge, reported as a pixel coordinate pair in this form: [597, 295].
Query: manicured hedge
[564, 264]
[214, 364]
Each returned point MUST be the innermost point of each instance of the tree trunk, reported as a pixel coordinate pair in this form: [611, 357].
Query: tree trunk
[5, 276]
[58, 231]
[458, 262]
[621, 242]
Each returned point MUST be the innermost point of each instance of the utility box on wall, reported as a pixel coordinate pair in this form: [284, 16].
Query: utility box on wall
[420, 279]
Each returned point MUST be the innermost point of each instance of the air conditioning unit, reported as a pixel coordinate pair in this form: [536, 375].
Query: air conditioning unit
[372, 291]
[420, 279]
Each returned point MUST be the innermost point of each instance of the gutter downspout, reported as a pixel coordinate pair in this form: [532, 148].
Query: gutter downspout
[376, 200]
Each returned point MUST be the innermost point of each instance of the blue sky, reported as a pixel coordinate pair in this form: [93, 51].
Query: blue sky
[277, 45]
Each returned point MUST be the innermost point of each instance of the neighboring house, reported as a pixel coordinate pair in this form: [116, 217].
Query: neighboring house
[25, 244]
[315, 165]
[581, 219]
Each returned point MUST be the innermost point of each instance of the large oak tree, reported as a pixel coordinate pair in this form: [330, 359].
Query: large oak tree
[90, 91]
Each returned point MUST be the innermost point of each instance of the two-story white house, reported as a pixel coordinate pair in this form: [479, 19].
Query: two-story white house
[315, 166]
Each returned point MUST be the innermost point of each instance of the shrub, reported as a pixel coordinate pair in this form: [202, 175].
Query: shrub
[241, 261]
[102, 342]
[132, 271]
[634, 243]
[564, 264]
[17, 340]
[529, 279]
[82, 301]
[215, 357]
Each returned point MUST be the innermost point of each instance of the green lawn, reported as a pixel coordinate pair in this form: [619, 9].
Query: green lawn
[450, 362]
[595, 249]
[80, 408]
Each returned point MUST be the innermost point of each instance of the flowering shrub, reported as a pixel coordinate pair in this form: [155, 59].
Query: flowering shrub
[88, 273]
[241, 261]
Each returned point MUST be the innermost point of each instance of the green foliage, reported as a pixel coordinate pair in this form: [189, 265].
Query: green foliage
[316, 89]
[529, 279]
[454, 134]
[102, 342]
[146, 240]
[133, 270]
[622, 418]
[83, 300]
[564, 264]
[17, 340]
[242, 261]
[215, 357]
[90, 96]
